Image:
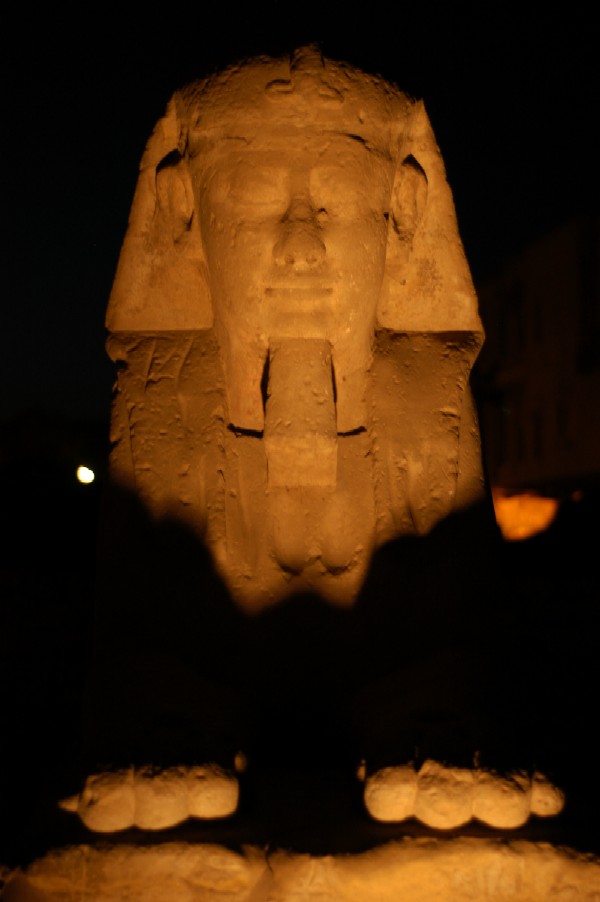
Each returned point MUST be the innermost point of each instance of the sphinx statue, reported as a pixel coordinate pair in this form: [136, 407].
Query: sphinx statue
[293, 230]
[293, 323]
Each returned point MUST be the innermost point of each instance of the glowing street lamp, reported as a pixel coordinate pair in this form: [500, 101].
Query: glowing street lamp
[85, 475]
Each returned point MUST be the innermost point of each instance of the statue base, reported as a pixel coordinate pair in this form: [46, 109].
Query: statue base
[414, 869]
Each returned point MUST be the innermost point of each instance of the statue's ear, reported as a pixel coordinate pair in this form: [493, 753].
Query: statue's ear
[427, 285]
[161, 282]
[174, 200]
[409, 200]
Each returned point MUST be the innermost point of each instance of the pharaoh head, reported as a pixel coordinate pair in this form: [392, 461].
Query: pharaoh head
[297, 210]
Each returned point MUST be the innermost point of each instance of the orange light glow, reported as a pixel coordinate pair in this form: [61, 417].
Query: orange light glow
[522, 516]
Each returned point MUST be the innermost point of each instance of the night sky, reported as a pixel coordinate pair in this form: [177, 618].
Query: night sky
[512, 96]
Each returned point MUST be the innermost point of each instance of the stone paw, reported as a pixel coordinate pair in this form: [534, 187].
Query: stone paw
[448, 797]
[154, 799]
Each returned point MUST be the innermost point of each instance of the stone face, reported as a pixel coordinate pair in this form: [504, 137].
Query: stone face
[293, 312]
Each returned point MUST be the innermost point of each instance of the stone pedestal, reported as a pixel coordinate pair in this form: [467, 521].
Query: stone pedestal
[412, 870]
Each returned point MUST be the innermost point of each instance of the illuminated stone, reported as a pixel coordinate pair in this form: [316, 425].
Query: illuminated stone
[391, 793]
[546, 800]
[294, 324]
[448, 797]
[503, 802]
[414, 870]
[107, 802]
[298, 213]
[154, 799]
[211, 793]
[445, 796]
[160, 798]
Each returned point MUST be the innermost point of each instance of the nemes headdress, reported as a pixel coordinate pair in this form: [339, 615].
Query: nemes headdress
[161, 283]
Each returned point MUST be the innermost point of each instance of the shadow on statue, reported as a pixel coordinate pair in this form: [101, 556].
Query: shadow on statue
[433, 661]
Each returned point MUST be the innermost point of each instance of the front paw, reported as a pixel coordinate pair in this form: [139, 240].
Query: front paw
[154, 799]
[449, 797]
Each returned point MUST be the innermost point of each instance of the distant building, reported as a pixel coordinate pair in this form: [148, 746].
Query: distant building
[538, 378]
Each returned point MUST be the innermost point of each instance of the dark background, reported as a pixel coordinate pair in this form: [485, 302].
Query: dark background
[512, 94]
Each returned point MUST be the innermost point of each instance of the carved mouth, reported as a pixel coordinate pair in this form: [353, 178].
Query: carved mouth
[299, 292]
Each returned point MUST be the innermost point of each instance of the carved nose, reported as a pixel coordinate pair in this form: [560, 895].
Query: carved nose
[299, 245]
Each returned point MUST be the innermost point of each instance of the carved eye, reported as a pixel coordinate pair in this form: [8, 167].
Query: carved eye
[347, 189]
[331, 186]
[261, 186]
